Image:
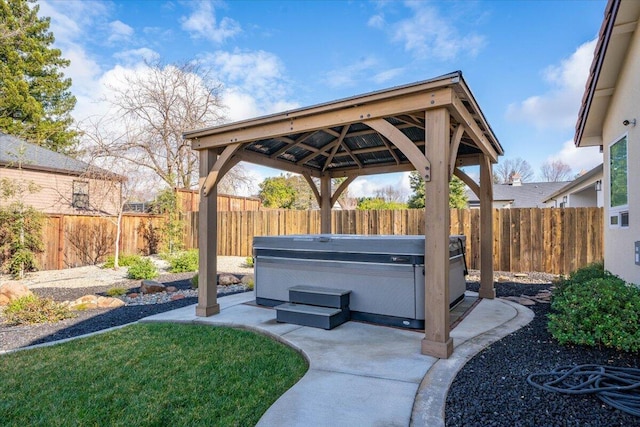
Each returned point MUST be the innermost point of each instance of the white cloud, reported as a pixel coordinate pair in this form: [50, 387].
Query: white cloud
[578, 159]
[349, 75]
[558, 107]
[428, 34]
[202, 23]
[134, 56]
[387, 75]
[119, 31]
[254, 82]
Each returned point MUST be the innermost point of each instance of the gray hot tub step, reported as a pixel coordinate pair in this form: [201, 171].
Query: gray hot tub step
[311, 315]
[315, 295]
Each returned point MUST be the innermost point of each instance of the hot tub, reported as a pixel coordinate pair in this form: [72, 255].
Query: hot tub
[385, 274]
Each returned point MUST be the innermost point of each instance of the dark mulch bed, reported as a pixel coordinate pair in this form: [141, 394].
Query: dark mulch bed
[12, 337]
[491, 390]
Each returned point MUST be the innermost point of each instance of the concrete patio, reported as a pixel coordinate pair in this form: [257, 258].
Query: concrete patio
[363, 374]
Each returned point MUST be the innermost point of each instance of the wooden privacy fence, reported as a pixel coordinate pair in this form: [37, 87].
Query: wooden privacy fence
[77, 240]
[552, 240]
[548, 240]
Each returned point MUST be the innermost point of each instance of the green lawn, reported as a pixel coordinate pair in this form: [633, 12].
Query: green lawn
[153, 374]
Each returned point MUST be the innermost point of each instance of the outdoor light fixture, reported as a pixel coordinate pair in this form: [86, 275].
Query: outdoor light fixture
[564, 199]
[598, 185]
[629, 122]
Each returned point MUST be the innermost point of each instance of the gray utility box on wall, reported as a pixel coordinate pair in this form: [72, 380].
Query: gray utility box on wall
[385, 274]
[637, 253]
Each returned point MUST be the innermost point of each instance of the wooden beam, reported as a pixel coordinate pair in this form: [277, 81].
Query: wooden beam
[335, 148]
[343, 186]
[467, 180]
[372, 170]
[286, 124]
[486, 229]
[353, 156]
[453, 147]
[291, 144]
[259, 159]
[208, 242]
[462, 115]
[391, 150]
[404, 144]
[437, 341]
[212, 177]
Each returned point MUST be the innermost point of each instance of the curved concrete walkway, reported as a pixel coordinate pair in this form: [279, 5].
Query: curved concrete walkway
[361, 374]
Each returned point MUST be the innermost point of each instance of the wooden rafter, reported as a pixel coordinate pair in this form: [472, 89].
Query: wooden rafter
[390, 148]
[350, 153]
[291, 143]
[335, 148]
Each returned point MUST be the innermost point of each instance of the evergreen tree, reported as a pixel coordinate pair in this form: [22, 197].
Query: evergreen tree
[35, 101]
[457, 195]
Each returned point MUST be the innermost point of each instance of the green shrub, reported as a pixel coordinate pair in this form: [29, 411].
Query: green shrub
[249, 261]
[123, 260]
[33, 309]
[143, 269]
[116, 291]
[249, 284]
[183, 261]
[601, 311]
[194, 281]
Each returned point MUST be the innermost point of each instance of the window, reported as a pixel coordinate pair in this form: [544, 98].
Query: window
[618, 184]
[80, 199]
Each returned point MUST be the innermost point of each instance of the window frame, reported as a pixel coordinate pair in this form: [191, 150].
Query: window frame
[80, 194]
[616, 213]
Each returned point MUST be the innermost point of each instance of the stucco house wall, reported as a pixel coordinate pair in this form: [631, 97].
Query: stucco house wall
[619, 242]
[610, 117]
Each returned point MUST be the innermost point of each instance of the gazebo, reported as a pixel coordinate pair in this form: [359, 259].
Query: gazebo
[433, 126]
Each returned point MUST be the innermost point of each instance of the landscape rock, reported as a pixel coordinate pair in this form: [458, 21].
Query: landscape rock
[133, 295]
[228, 279]
[248, 278]
[88, 302]
[151, 287]
[12, 291]
[176, 297]
[171, 289]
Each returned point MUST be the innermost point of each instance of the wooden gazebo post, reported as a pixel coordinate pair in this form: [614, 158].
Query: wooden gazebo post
[436, 341]
[486, 229]
[207, 240]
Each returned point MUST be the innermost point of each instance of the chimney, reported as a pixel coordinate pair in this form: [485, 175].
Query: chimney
[515, 180]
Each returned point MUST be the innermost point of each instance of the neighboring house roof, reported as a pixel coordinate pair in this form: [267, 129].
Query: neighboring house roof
[524, 195]
[620, 21]
[576, 182]
[15, 152]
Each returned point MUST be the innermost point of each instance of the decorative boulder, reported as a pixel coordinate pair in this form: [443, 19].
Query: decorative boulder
[227, 279]
[248, 278]
[176, 297]
[151, 287]
[88, 302]
[12, 291]
[171, 289]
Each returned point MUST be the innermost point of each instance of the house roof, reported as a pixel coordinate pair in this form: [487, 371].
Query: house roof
[525, 195]
[577, 182]
[338, 138]
[620, 21]
[15, 152]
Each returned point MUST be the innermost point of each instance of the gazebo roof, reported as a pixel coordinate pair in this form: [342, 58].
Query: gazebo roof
[342, 138]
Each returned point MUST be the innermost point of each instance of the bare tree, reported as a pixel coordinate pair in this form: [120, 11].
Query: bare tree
[505, 170]
[236, 181]
[555, 171]
[153, 107]
[391, 194]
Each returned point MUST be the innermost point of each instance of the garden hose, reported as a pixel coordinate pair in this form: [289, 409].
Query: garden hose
[617, 387]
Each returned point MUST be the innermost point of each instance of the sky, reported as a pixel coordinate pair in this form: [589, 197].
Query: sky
[526, 62]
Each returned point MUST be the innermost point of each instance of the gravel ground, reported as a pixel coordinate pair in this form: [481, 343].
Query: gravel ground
[491, 389]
